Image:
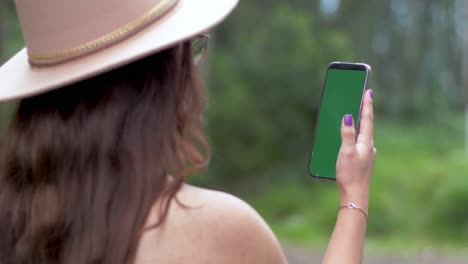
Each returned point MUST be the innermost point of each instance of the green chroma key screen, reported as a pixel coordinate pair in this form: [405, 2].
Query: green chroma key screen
[342, 95]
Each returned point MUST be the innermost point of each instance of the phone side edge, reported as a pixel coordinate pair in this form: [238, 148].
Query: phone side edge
[365, 88]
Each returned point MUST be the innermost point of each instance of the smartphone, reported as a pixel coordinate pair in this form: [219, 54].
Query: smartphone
[345, 85]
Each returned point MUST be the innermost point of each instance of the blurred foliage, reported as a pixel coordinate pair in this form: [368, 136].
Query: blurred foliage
[265, 72]
[268, 109]
[265, 77]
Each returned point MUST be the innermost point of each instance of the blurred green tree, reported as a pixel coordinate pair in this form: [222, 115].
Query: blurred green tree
[265, 83]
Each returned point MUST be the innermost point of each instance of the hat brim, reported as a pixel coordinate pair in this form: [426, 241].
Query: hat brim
[18, 79]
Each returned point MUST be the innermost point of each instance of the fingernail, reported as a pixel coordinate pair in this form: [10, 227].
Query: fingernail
[348, 120]
[371, 93]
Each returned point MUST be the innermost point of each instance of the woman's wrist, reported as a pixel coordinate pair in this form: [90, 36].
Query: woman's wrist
[360, 200]
[355, 207]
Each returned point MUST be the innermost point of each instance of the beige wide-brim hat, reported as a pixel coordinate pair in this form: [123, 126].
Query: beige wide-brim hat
[71, 40]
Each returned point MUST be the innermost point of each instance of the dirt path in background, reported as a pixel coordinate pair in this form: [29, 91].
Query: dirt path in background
[303, 256]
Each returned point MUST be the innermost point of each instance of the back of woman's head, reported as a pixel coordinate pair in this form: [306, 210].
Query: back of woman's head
[82, 166]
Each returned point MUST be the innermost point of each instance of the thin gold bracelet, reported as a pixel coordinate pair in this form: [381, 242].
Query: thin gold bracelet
[354, 206]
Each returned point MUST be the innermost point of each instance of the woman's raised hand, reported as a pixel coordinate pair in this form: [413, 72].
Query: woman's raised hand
[356, 157]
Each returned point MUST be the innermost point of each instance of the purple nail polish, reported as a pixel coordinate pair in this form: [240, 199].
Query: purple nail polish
[371, 92]
[348, 120]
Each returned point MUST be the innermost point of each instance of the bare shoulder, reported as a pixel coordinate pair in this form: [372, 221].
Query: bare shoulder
[211, 204]
[218, 228]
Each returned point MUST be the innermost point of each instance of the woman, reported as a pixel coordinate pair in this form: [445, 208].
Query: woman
[109, 125]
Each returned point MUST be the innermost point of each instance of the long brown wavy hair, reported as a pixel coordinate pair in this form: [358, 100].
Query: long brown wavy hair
[81, 167]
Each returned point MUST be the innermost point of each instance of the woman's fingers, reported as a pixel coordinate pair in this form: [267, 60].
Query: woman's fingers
[348, 133]
[366, 133]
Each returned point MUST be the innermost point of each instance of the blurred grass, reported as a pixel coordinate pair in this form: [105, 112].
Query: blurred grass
[418, 192]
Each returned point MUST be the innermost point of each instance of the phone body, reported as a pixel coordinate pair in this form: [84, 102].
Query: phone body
[345, 85]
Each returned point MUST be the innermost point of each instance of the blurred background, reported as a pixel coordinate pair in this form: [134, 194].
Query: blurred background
[265, 73]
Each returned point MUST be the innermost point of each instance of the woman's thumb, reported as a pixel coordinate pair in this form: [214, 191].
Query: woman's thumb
[348, 132]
